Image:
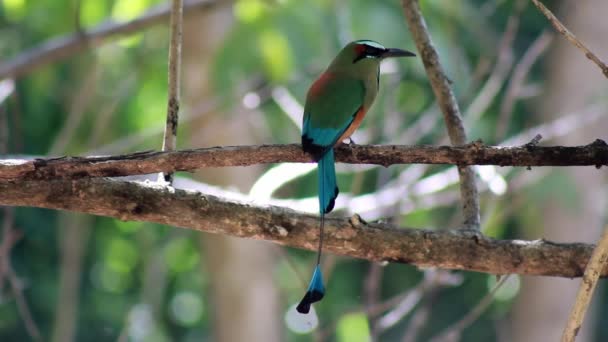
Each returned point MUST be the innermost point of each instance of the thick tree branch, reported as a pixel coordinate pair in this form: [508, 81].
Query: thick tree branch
[594, 154]
[151, 202]
[62, 47]
[448, 104]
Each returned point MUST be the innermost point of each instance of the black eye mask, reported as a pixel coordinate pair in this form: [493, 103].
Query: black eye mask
[369, 52]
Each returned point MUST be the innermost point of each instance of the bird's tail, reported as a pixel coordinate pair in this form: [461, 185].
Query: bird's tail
[328, 188]
[328, 191]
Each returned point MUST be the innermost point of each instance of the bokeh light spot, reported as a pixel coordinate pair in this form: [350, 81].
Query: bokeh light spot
[353, 328]
[121, 256]
[248, 10]
[301, 323]
[106, 279]
[186, 308]
[14, 9]
[508, 290]
[275, 54]
[181, 255]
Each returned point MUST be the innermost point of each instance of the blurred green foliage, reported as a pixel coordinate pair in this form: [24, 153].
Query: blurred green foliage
[282, 42]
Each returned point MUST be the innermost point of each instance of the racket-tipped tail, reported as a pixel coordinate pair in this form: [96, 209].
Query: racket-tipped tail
[315, 292]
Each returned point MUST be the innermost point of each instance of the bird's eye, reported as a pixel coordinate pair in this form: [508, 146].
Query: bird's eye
[372, 51]
[366, 51]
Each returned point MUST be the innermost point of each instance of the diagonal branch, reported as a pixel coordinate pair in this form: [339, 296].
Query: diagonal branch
[563, 30]
[447, 102]
[594, 154]
[10, 237]
[62, 47]
[151, 202]
[594, 268]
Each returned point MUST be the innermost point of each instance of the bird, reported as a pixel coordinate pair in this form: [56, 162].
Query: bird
[335, 106]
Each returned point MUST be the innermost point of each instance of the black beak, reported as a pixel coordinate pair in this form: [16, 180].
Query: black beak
[391, 52]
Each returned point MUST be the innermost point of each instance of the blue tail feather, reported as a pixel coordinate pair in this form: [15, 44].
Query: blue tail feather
[315, 292]
[328, 191]
[328, 187]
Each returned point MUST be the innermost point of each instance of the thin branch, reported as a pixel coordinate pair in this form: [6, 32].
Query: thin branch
[24, 310]
[563, 125]
[502, 66]
[432, 280]
[371, 296]
[520, 74]
[454, 331]
[563, 30]
[594, 154]
[152, 202]
[62, 47]
[440, 277]
[421, 316]
[175, 58]
[596, 264]
[80, 103]
[447, 102]
[10, 237]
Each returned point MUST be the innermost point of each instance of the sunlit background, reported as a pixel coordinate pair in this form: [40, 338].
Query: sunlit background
[246, 68]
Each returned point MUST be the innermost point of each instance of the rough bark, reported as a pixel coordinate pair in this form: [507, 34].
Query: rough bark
[594, 154]
[461, 250]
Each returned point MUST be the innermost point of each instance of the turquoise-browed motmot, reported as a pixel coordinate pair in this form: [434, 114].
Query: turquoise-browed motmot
[335, 106]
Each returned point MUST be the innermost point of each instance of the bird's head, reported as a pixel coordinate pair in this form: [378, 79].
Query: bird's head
[361, 53]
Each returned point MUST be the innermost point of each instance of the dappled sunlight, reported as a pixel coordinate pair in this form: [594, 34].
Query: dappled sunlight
[563, 125]
[496, 183]
[436, 182]
[288, 104]
[276, 177]
[7, 86]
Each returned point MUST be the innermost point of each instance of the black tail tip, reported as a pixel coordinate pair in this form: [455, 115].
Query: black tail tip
[332, 202]
[309, 298]
[303, 307]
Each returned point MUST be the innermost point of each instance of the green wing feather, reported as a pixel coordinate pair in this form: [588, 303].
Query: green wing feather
[330, 109]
